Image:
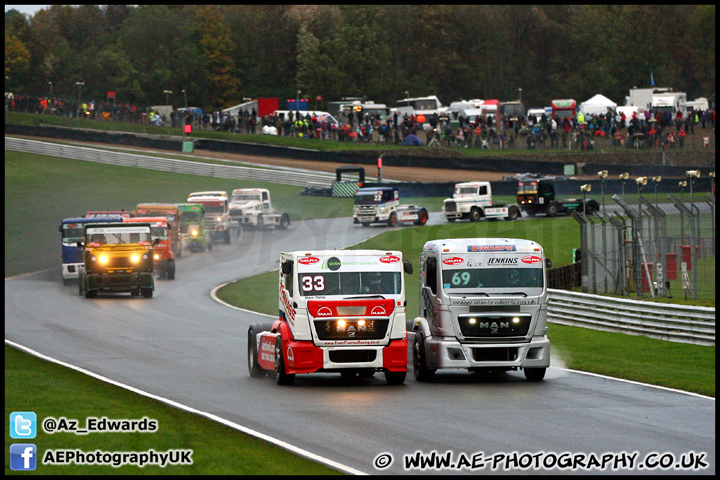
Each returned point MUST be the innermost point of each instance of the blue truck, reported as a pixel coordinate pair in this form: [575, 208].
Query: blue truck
[71, 232]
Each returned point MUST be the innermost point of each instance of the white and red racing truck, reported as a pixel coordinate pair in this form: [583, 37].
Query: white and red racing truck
[340, 311]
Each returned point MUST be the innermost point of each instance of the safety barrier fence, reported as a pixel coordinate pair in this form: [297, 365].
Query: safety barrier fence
[676, 323]
[167, 164]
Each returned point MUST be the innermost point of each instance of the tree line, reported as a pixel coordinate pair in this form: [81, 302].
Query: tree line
[214, 56]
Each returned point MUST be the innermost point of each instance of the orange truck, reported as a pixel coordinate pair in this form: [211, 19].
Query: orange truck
[163, 257]
[170, 212]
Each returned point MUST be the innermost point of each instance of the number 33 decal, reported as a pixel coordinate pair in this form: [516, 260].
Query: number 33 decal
[313, 283]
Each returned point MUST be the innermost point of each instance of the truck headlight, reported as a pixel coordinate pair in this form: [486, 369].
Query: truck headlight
[194, 233]
[218, 219]
[156, 256]
[135, 258]
[103, 259]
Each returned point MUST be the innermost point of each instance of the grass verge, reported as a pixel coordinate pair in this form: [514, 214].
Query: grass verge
[50, 390]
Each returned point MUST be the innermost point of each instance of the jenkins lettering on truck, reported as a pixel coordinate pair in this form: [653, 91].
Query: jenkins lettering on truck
[483, 307]
[339, 311]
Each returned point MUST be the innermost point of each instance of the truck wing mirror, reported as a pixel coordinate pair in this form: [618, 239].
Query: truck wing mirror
[548, 263]
[407, 266]
[156, 242]
[80, 244]
[287, 268]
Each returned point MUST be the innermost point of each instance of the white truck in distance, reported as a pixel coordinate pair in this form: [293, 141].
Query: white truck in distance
[483, 307]
[382, 205]
[251, 207]
[473, 201]
[340, 311]
[218, 224]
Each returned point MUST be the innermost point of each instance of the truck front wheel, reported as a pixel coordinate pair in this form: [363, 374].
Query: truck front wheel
[393, 220]
[422, 373]
[281, 378]
[534, 374]
[254, 367]
[170, 272]
[395, 378]
[551, 210]
[422, 217]
[474, 215]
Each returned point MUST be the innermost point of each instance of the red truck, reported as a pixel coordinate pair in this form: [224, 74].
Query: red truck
[163, 257]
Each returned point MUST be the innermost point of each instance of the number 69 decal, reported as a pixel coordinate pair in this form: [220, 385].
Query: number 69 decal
[313, 283]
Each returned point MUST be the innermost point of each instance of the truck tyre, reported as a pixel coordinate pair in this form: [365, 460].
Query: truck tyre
[226, 236]
[254, 367]
[281, 378]
[147, 292]
[422, 373]
[179, 250]
[534, 374]
[591, 207]
[170, 271]
[284, 222]
[395, 378]
[551, 210]
[81, 284]
[91, 294]
[393, 220]
[422, 217]
[513, 213]
[260, 223]
[474, 214]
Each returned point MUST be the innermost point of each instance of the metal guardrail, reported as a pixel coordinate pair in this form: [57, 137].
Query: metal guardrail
[675, 323]
[166, 164]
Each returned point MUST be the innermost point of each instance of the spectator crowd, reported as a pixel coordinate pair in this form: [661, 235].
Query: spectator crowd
[644, 130]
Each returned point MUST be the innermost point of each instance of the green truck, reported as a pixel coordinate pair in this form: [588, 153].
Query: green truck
[191, 223]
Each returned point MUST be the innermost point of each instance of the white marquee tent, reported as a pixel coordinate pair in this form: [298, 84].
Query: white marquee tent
[597, 105]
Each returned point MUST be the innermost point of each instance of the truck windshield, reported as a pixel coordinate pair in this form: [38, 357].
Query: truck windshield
[245, 197]
[350, 283]
[378, 196]
[72, 234]
[117, 236]
[527, 188]
[159, 232]
[470, 279]
[189, 217]
[214, 209]
[466, 191]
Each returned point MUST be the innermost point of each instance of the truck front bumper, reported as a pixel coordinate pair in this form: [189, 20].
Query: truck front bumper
[449, 353]
[120, 282]
[305, 357]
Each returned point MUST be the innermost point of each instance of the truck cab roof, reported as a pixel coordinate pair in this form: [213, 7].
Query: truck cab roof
[465, 245]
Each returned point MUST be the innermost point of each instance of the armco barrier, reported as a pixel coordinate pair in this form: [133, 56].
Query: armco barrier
[675, 323]
[167, 164]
